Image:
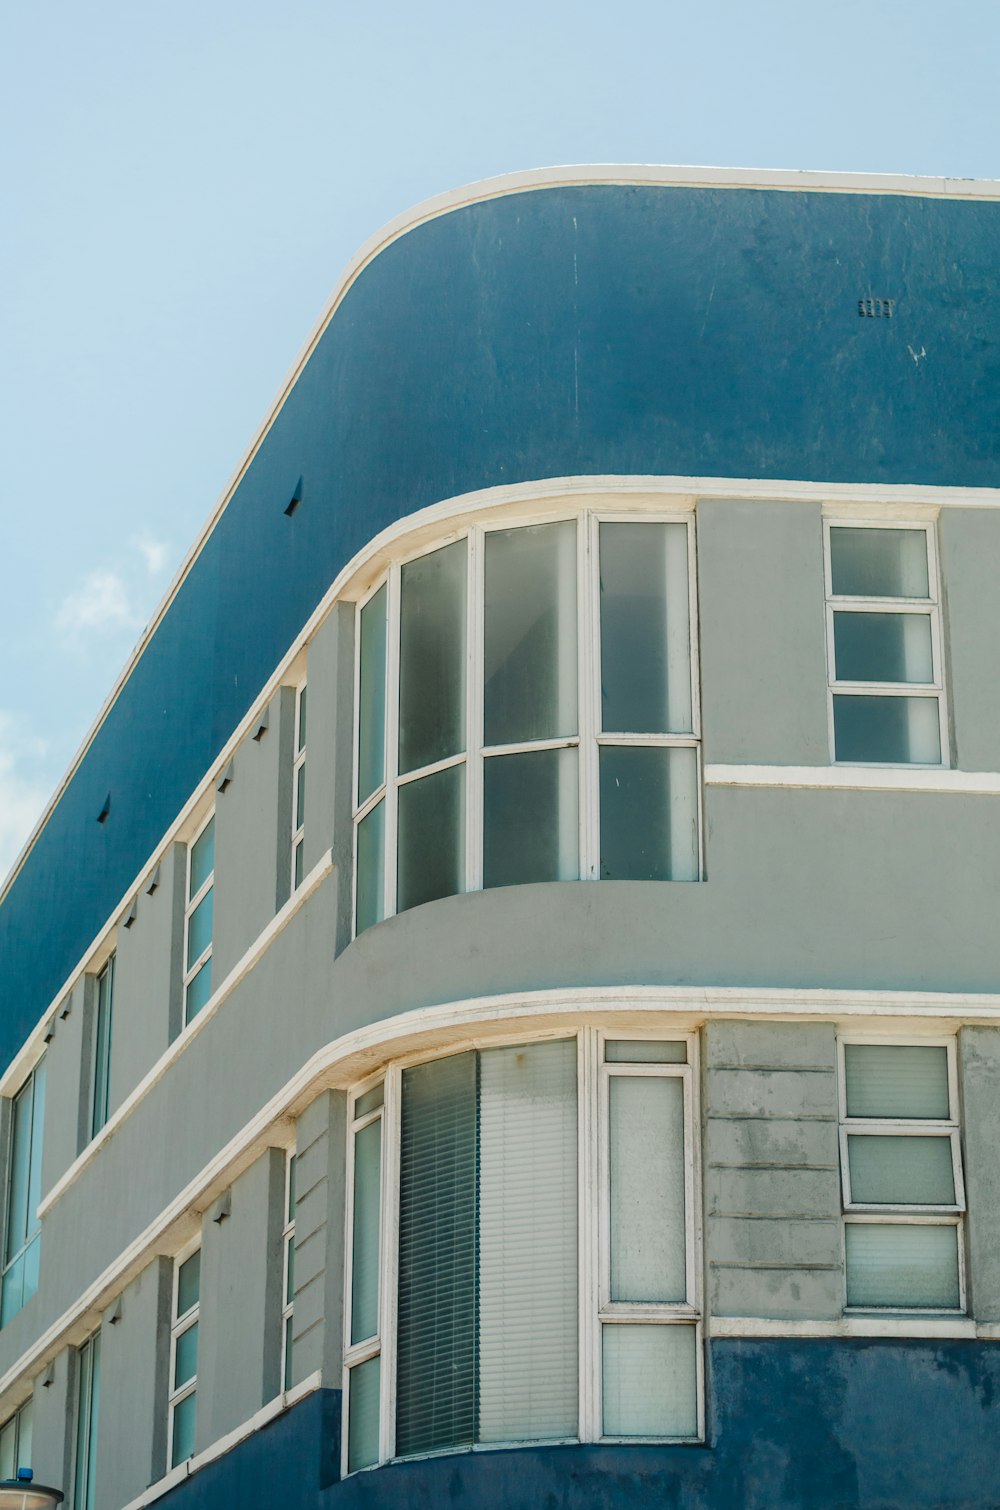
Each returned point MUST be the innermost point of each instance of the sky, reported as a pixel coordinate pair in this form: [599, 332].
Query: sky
[182, 184]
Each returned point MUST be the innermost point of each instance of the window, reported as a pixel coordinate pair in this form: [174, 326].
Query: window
[527, 711]
[24, 1189]
[102, 1048]
[87, 1403]
[15, 1441]
[184, 1356]
[901, 1166]
[884, 645]
[198, 921]
[299, 788]
[558, 1179]
[288, 1273]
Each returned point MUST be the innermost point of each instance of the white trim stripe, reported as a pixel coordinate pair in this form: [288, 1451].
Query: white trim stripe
[857, 778]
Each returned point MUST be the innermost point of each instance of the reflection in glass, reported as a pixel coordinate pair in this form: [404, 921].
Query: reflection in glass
[431, 845]
[873, 563]
[371, 868]
[892, 1264]
[530, 818]
[887, 730]
[883, 647]
[645, 629]
[901, 1171]
[530, 628]
[650, 1381]
[371, 694]
[432, 657]
[649, 813]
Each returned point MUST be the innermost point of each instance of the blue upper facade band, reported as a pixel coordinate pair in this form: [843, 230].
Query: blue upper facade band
[578, 330]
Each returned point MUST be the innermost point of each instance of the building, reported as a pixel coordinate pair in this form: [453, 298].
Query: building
[562, 1068]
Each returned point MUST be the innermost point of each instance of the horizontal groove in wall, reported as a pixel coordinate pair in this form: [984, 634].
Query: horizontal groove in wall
[776, 1069]
[767, 1164]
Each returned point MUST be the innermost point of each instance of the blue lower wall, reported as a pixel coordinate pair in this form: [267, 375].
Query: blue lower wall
[793, 1425]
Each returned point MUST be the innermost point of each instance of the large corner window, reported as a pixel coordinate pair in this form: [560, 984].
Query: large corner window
[198, 910]
[901, 1164]
[184, 1315]
[884, 645]
[22, 1234]
[527, 711]
[522, 1250]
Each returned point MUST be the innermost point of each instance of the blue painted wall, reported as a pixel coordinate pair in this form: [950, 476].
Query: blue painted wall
[795, 1425]
[580, 330]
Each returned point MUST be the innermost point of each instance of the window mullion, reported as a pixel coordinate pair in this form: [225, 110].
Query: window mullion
[588, 599]
[589, 1226]
[391, 742]
[475, 675]
[389, 1264]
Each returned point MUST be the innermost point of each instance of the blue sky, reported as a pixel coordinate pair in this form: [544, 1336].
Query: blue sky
[182, 185]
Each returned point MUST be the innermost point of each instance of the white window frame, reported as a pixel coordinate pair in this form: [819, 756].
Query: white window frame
[99, 1114]
[191, 904]
[34, 1236]
[84, 1443]
[895, 1214]
[287, 1259]
[179, 1324]
[590, 737]
[593, 1217]
[929, 607]
[298, 764]
[16, 1420]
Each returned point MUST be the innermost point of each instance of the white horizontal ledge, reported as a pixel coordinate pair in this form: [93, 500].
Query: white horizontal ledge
[928, 1327]
[850, 778]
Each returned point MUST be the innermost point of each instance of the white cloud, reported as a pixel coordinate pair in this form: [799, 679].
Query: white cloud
[153, 552]
[23, 788]
[101, 603]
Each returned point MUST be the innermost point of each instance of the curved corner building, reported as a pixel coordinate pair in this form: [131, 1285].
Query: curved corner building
[504, 1010]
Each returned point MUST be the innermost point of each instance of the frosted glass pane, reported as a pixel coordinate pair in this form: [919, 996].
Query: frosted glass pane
[889, 1264]
[371, 695]
[189, 1283]
[531, 820]
[8, 1444]
[896, 1080]
[183, 1439]
[879, 563]
[528, 1323]
[645, 630]
[25, 1433]
[363, 1428]
[530, 648]
[367, 1204]
[370, 1101]
[200, 928]
[644, 1051]
[432, 657]
[646, 1166]
[901, 1171]
[198, 991]
[186, 1356]
[883, 647]
[887, 730]
[431, 854]
[650, 1381]
[649, 814]
[202, 858]
[371, 868]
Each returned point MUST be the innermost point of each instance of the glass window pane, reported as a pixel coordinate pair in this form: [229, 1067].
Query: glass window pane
[363, 1415]
[650, 1381]
[897, 1170]
[649, 813]
[202, 858]
[432, 657]
[370, 1101]
[32, 1255]
[528, 1259]
[371, 694]
[299, 852]
[367, 1204]
[645, 630]
[646, 1173]
[887, 730]
[531, 819]
[883, 647]
[35, 1166]
[290, 1269]
[896, 1080]
[530, 650]
[431, 852]
[186, 1356]
[289, 1365]
[183, 1438]
[188, 1283]
[371, 868]
[290, 1191]
[300, 742]
[643, 1051]
[20, 1163]
[868, 563]
[12, 1297]
[300, 796]
[25, 1422]
[198, 991]
[200, 928]
[892, 1264]
[8, 1445]
[102, 1049]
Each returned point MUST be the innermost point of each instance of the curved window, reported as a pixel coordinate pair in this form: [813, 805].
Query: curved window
[522, 1250]
[527, 711]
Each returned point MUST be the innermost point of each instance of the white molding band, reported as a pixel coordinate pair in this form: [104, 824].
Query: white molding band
[928, 1328]
[850, 778]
